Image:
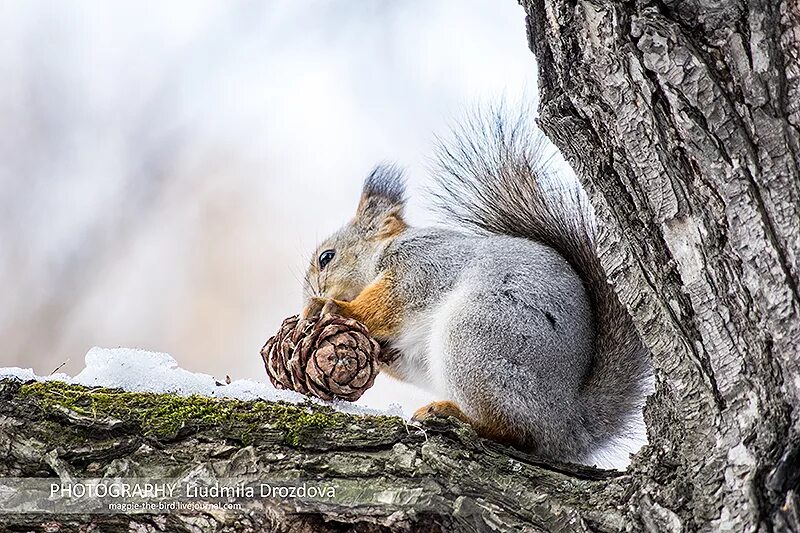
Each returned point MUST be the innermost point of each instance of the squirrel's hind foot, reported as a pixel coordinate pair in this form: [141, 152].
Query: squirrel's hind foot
[444, 408]
[492, 431]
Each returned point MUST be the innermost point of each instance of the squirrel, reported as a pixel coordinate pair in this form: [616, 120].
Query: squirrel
[505, 313]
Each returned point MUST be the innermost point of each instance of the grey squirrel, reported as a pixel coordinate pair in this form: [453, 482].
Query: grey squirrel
[505, 315]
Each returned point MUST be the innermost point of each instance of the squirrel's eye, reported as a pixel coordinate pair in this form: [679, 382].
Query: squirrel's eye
[325, 258]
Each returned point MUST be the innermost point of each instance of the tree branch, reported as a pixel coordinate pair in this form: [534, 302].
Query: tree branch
[387, 476]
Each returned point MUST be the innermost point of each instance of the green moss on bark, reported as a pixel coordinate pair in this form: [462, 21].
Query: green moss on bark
[163, 416]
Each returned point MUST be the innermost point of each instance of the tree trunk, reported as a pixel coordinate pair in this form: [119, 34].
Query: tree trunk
[681, 120]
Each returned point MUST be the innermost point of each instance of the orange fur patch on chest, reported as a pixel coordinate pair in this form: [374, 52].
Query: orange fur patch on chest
[377, 307]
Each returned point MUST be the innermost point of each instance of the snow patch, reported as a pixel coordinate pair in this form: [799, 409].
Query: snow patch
[740, 455]
[27, 374]
[143, 371]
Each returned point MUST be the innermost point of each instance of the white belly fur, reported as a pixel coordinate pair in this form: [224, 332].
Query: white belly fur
[423, 343]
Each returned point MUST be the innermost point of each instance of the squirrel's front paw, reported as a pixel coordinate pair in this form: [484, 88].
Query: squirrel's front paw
[320, 307]
[445, 408]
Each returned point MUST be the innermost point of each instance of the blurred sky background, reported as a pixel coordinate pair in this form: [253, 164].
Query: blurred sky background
[166, 168]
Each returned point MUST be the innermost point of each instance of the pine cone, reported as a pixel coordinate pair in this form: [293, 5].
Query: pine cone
[328, 357]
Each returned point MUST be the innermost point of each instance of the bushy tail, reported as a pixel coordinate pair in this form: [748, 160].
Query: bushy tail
[494, 174]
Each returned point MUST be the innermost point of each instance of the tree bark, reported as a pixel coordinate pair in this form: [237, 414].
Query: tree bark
[681, 120]
[387, 476]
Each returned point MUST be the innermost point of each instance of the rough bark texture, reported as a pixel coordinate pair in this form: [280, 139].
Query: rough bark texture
[681, 119]
[388, 476]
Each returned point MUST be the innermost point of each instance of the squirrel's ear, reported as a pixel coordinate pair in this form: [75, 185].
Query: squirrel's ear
[382, 201]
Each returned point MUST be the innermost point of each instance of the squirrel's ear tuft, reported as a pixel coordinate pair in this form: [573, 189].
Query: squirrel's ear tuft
[382, 199]
[385, 183]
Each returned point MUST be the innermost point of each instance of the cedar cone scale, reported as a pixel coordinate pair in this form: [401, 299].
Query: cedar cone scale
[327, 357]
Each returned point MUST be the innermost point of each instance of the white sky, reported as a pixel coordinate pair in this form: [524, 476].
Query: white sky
[166, 168]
